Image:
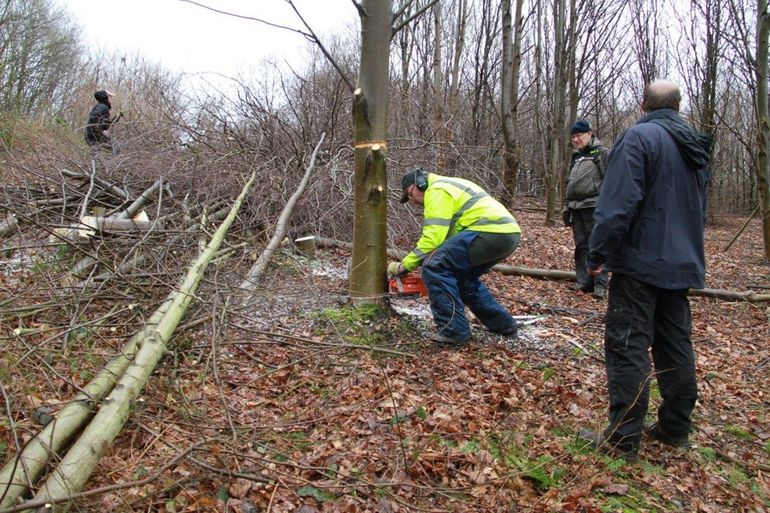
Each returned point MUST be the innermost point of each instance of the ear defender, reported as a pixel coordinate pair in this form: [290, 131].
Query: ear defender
[421, 179]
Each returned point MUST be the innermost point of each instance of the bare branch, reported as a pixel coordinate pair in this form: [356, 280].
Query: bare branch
[401, 25]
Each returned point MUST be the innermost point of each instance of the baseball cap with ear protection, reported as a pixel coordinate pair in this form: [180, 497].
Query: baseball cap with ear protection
[418, 177]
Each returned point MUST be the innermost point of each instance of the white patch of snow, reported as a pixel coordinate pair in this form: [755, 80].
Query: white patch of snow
[412, 307]
[326, 269]
[17, 263]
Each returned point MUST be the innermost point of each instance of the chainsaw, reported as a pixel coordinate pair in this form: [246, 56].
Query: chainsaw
[409, 284]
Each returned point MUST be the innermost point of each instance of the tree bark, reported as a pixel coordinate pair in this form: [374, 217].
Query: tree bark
[281, 226]
[73, 471]
[370, 110]
[85, 264]
[10, 225]
[763, 121]
[509, 98]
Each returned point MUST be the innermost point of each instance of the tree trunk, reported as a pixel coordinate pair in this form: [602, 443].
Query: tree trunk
[10, 225]
[437, 101]
[281, 226]
[763, 121]
[27, 466]
[454, 86]
[370, 111]
[85, 264]
[509, 96]
[557, 143]
[73, 471]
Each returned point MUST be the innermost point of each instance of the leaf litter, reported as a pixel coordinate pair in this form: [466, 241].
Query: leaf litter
[298, 403]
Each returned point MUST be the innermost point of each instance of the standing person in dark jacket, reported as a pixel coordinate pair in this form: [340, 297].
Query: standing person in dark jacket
[586, 173]
[648, 230]
[99, 121]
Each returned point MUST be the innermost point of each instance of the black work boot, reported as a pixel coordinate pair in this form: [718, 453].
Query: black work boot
[599, 292]
[658, 433]
[613, 449]
[447, 341]
[583, 287]
[512, 332]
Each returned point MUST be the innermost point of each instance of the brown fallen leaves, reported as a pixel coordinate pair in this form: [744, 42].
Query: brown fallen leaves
[489, 428]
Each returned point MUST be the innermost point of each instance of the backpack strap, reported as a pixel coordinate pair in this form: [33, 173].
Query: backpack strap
[599, 162]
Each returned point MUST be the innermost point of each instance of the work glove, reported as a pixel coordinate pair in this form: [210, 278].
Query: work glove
[567, 217]
[395, 269]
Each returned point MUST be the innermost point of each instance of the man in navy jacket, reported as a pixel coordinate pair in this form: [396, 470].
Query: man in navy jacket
[648, 230]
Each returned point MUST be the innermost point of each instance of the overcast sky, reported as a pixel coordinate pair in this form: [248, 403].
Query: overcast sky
[188, 38]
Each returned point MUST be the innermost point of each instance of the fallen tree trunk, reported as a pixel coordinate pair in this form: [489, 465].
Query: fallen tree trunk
[86, 263]
[134, 262]
[730, 295]
[72, 472]
[114, 224]
[250, 282]
[548, 274]
[104, 184]
[27, 466]
[10, 225]
[555, 274]
[504, 269]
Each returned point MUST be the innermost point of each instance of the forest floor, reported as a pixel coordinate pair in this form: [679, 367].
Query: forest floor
[295, 401]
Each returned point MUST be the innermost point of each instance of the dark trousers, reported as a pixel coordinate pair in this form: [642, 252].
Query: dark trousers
[451, 276]
[582, 225]
[641, 318]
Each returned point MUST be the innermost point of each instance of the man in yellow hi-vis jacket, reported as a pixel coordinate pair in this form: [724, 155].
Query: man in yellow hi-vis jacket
[465, 232]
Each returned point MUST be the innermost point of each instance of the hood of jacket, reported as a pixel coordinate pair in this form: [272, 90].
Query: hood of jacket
[693, 145]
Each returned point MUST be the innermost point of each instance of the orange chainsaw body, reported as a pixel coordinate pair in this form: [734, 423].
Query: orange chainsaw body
[407, 284]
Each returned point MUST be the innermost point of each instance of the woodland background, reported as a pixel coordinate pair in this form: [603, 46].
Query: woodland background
[292, 400]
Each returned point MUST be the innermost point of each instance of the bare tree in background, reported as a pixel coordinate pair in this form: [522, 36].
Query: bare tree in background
[752, 49]
[645, 16]
[482, 61]
[763, 119]
[437, 97]
[509, 96]
[698, 58]
[559, 85]
[40, 53]
[461, 18]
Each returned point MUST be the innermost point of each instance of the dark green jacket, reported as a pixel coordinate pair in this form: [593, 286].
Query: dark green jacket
[586, 173]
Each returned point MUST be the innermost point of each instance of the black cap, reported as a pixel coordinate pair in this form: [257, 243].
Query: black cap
[580, 126]
[102, 96]
[409, 179]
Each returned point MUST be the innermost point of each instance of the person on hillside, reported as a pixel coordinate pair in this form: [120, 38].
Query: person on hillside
[99, 121]
[465, 232]
[649, 231]
[586, 173]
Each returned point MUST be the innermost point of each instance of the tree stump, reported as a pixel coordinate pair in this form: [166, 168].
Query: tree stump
[306, 246]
